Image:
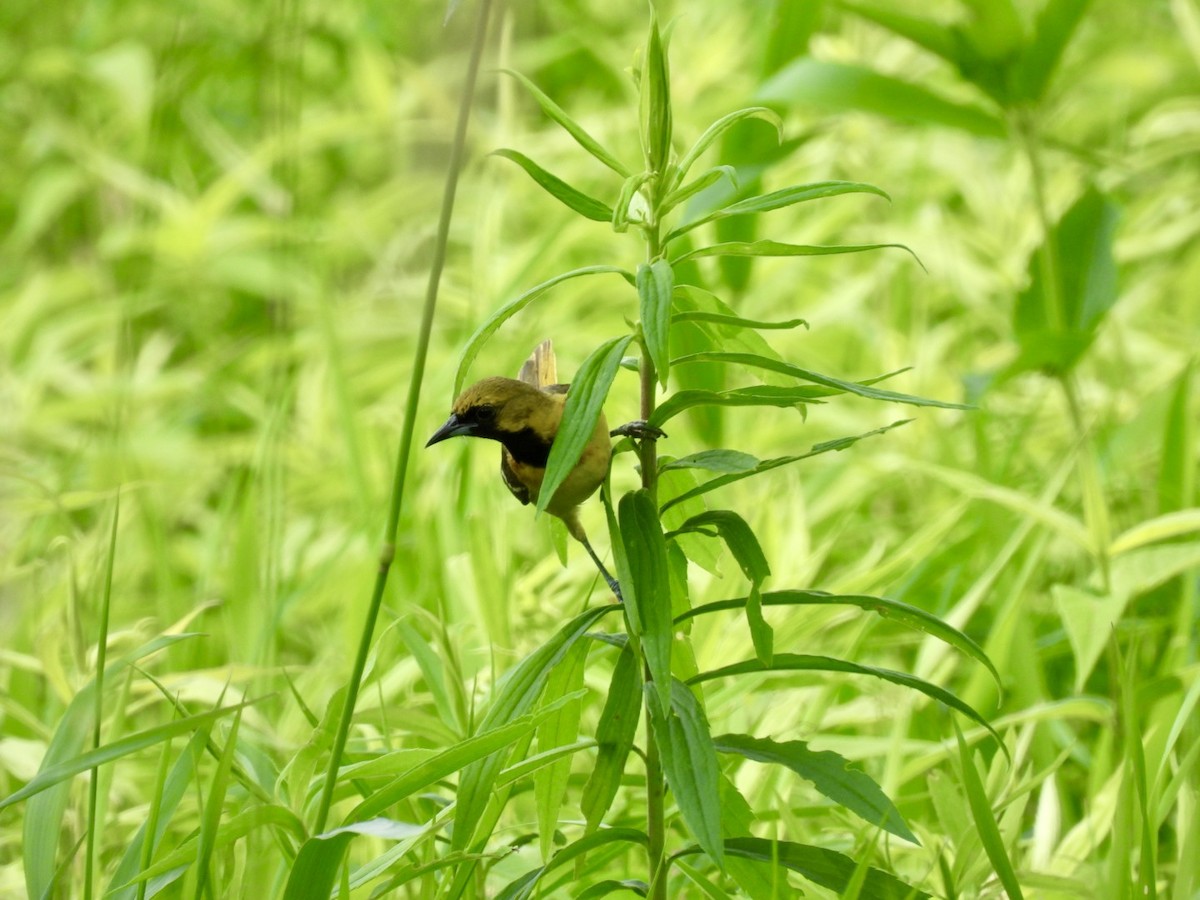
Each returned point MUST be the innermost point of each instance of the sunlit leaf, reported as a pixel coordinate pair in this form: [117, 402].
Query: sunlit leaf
[719, 127]
[648, 592]
[896, 610]
[689, 761]
[572, 197]
[829, 773]
[573, 128]
[850, 387]
[985, 821]
[768, 464]
[614, 735]
[790, 662]
[778, 200]
[585, 401]
[655, 107]
[837, 87]
[476, 341]
[1073, 284]
[655, 284]
[1056, 24]
[775, 248]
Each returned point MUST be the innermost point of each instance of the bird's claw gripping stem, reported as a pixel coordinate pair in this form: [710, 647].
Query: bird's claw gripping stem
[639, 430]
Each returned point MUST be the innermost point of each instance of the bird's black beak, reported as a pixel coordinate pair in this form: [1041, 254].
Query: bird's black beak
[453, 427]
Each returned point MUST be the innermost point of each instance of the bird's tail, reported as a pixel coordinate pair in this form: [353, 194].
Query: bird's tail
[541, 369]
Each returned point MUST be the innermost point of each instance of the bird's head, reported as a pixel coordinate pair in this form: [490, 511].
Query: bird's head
[493, 408]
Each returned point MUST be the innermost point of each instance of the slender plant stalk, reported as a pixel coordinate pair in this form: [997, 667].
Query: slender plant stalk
[656, 787]
[388, 551]
[98, 711]
[1095, 510]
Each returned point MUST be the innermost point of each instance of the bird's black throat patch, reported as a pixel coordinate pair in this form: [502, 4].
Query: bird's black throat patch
[526, 446]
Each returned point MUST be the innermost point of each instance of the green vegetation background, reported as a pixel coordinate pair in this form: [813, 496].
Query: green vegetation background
[218, 222]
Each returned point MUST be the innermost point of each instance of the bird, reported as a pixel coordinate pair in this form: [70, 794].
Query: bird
[523, 415]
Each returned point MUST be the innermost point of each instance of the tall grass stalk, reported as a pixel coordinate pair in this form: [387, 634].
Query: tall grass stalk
[98, 710]
[388, 551]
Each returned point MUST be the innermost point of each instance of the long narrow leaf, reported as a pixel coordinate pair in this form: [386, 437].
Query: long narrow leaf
[904, 613]
[689, 761]
[585, 401]
[614, 735]
[829, 773]
[140, 740]
[789, 196]
[790, 662]
[719, 127]
[768, 464]
[648, 593]
[985, 821]
[507, 311]
[850, 387]
[515, 697]
[655, 284]
[775, 248]
[573, 128]
[569, 196]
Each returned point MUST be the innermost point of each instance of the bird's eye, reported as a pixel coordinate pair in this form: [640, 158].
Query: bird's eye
[484, 415]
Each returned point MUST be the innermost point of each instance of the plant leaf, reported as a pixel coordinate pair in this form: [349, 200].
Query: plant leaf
[516, 695]
[585, 400]
[499, 317]
[850, 387]
[655, 284]
[648, 593]
[572, 197]
[719, 127]
[789, 196]
[758, 395]
[558, 730]
[59, 772]
[573, 128]
[700, 183]
[787, 662]
[905, 614]
[654, 109]
[1056, 23]
[827, 868]
[775, 248]
[1056, 322]
[744, 546]
[690, 763]
[736, 321]
[840, 86]
[985, 821]
[714, 461]
[924, 33]
[768, 464]
[829, 773]
[614, 735]
[522, 887]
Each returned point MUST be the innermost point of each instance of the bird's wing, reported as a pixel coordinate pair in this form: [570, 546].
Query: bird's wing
[541, 369]
[514, 484]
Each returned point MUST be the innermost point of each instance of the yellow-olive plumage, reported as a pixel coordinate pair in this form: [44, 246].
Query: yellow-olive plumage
[523, 415]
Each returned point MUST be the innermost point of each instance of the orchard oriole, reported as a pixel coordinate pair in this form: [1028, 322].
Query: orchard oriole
[523, 415]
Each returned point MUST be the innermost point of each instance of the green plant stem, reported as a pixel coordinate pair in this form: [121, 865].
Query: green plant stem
[98, 710]
[656, 788]
[388, 552]
[1095, 510]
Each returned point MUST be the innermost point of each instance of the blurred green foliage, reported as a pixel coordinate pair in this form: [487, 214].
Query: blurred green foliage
[218, 222]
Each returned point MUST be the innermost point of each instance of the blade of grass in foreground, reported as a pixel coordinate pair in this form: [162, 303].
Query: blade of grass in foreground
[404, 450]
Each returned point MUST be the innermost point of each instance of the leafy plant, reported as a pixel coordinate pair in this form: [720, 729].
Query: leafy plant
[656, 534]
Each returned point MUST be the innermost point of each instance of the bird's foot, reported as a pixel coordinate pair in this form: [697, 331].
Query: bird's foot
[639, 430]
[616, 589]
